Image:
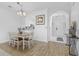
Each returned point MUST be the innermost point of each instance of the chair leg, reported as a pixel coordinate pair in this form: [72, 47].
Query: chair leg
[9, 43]
[23, 45]
[26, 44]
[17, 45]
[13, 44]
[29, 44]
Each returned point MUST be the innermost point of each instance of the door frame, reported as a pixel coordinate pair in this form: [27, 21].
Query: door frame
[50, 23]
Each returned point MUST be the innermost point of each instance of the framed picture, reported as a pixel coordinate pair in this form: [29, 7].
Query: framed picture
[40, 19]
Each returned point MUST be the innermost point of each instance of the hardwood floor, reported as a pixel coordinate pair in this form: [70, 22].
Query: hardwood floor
[58, 49]
[38, 49]
[4, 53]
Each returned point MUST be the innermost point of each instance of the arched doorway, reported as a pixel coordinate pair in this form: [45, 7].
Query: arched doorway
[59, 26]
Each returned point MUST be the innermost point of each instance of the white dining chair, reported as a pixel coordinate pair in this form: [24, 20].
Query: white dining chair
[31, 38]
[18, 41]
[28, 40]
[15, 40]
[12, 37]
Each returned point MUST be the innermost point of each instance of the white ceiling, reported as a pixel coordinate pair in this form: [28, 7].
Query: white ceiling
[33, 6]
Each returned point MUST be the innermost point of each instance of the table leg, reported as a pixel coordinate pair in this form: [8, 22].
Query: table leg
[23, 44]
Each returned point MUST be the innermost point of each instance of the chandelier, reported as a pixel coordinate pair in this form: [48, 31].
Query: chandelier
[21, 12]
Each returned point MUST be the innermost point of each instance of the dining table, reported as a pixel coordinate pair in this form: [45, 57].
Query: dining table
[23, 36]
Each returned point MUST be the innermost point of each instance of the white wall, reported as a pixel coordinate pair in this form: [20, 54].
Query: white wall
[9, 22]
[40, 32]
[52, 8]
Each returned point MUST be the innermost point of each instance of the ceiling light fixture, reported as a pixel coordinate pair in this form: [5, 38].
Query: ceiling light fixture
[21, 12]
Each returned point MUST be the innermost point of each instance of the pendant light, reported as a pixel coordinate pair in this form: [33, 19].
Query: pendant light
[21, 12]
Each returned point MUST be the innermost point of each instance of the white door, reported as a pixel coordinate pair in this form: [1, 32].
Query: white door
[59, 27]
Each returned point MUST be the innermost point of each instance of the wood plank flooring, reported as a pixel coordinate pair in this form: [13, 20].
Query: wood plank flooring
[38, 49]
[58, 49]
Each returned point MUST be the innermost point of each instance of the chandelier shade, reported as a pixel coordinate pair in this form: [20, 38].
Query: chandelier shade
[21, 13]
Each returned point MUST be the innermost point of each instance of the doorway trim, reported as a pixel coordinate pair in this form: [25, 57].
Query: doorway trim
[50, 23]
